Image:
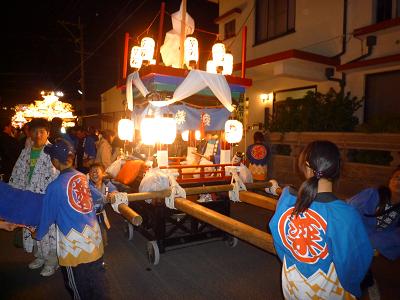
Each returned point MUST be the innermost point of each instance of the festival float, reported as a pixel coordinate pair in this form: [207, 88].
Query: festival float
[187, 198]
[48, 108]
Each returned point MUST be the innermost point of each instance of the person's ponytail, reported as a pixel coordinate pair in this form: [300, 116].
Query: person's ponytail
[306, 195]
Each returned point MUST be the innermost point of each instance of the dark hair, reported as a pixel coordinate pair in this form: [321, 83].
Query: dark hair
[4, 122]
[107, 134]
[97, 165]
[56, 122]
[385, 195]
[258, 136]
[39, 123]
[323, 158]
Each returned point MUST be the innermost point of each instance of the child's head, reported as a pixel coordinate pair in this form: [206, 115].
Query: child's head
[39, 131]
[258, 137]
[318, 160]
[62, 154]
[97, 172]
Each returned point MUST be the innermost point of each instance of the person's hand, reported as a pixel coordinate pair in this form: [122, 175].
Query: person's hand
[111, 197]
[8, 226]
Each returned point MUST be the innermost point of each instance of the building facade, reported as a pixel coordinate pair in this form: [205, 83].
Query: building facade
[294, 46]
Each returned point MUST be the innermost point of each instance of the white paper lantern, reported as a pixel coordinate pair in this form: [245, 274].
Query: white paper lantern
[148, 130]
[197, 135]
[166, 129]
[147, 44]
[191, 51]
[218, 53]
[126, 130]
[185, 135]
[136, 57]
[211, 67]
[228, 64]
[233, 131]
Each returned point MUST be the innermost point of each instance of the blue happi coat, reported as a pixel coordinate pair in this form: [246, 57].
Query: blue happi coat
[325, 250]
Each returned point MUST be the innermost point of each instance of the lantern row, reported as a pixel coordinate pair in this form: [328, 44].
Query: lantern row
[151, 134]
[222, 62]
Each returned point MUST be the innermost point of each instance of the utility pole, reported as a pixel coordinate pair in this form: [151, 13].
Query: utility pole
[79, 40]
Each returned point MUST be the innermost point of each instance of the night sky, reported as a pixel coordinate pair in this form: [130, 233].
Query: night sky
[38, 53]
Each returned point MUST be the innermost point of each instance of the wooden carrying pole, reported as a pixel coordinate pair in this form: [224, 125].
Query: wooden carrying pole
[130, 214]
[244, 232]
[245, 196]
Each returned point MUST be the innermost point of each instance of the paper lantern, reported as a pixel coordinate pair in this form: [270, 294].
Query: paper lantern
[126, 130]
[166, 129]
[136, 57]
[185, 135]
[228, 64]
[191, 51]
[148, 130]
[218, 53]
[147, 44]
[233, 131]
[197, 135]
[211, 67]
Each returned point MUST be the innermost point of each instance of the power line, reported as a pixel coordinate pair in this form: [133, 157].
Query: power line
[102, 43]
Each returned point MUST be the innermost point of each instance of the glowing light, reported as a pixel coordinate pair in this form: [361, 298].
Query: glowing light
[211, 67]
[147, 44]
[136, 57]
[197, 135]
[63, 130]
[126, 130]
[233, 131]
[168, 134]
[191, 51]
[148, 127]
[185, 135]
[228, 64]
[266, 97]
[48, 108]
[218, 53]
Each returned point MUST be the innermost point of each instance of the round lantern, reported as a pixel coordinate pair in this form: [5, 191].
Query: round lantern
[148, 130]
[191, 51]
[218, 53]
[228, 64]
[166, 129]
[185, 135]
[197, 135]
[147, 44]
[211, 67]
[136, 57]
[126, 130]
[233, 131]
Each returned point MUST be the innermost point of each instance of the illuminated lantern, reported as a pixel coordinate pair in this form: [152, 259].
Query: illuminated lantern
[147, 44]
[136, 57]
[228, 64]
[126, 130]
[185, 135]
[191, 51]
[211, 67]
[166, 129]
[218, 53]
[233, 131]
[197, 135]
[148, 129]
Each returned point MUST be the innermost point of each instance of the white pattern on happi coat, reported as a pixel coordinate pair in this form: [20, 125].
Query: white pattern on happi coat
[42, 175]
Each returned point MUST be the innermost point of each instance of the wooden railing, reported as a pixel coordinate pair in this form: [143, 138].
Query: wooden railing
[354, 176]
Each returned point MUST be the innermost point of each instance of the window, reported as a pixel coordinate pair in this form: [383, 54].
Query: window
[381, 102]
[274, 18]
[386, 10]
[230, 29]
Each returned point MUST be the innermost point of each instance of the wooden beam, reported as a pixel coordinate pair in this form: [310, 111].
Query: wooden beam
[258, 200]
[130, 214]
[238, 229]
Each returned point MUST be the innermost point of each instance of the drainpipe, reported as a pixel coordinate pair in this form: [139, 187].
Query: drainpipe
[371, 42]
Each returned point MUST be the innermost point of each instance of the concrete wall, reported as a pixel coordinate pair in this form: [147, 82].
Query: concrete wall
[112, 107]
